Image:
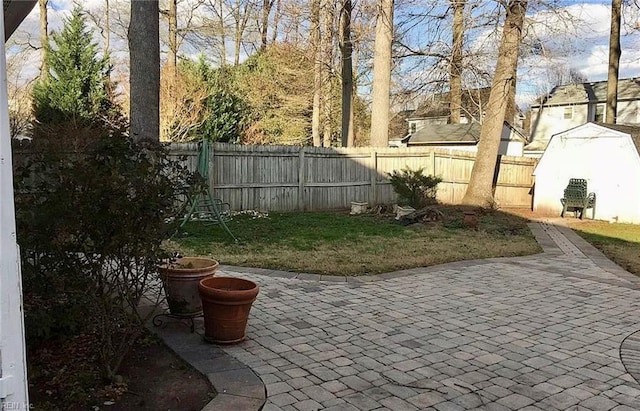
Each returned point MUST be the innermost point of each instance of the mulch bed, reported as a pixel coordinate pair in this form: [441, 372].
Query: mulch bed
[65, 375]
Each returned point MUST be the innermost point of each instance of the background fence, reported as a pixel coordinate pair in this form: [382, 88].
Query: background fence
[287, 178]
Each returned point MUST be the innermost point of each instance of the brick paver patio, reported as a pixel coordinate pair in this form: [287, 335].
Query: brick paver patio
[538, 332]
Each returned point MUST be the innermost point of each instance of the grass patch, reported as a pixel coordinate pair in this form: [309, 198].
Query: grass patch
[336, 243]
[619, 242]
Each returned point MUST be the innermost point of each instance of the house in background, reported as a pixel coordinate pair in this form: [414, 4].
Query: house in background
[463, 137]
[572, 105]
[607, 156]
[474, 101]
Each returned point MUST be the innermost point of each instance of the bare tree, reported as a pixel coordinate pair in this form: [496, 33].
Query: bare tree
[455, 67]
[267, 5]
[380, 105]
[44, 36]
[614, 62]
[480, 189]
[347, 73]
[172, 16]
[144, 49]
[317, 72]
[327, 16]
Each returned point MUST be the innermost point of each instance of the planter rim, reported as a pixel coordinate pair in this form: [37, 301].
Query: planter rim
[177, 267]
[221, 290]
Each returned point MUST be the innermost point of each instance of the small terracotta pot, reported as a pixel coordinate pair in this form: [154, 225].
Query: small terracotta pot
[471, 220]
[226, 302]
[180, 280]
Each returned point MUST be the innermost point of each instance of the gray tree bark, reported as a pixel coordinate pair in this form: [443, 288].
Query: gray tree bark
[44, 37]
[614, 62]
[144, 52]
[347, 73]
[380, 105]
[480, 189]
[317, 72]
[327, 16]
[455, 67]
[172, 58]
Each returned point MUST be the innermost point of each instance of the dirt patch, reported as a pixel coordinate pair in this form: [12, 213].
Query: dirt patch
[66, 376]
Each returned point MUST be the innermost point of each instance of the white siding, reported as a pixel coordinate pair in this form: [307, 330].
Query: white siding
[607, 159]
[13, 368]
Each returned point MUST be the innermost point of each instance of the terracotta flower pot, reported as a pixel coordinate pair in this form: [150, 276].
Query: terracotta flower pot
[226, 302]
[181, 279]
[471, 220]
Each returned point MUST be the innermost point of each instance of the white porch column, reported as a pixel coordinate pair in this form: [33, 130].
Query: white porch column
[13, 368]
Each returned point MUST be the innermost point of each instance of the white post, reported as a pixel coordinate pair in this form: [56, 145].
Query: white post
[13, 367]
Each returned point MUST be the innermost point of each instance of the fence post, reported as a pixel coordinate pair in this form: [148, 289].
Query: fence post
[374, 178]
[432, 158]
[301, 177]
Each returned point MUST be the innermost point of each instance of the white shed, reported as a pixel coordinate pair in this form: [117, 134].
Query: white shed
[607, 156]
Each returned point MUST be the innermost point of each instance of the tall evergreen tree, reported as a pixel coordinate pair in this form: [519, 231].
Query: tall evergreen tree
[77, 89]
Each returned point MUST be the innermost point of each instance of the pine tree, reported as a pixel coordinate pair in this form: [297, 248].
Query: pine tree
[77, 89]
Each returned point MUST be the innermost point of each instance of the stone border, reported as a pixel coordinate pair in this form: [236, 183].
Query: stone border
[237, 386]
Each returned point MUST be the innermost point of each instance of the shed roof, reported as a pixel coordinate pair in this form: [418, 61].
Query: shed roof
[633, 131]
[580, 93]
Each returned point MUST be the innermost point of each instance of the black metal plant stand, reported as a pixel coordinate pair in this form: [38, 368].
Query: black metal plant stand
[186, 319]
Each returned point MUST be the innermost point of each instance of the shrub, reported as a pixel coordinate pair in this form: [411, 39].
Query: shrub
[414, 188]
[77, 88]
[90, 227]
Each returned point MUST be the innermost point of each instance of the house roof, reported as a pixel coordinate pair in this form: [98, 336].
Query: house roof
[14, 12]
[474, 102]
[468, 133]
[446, 133]
[581, 93]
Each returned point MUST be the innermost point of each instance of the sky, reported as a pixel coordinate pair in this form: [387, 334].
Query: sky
[582, 45]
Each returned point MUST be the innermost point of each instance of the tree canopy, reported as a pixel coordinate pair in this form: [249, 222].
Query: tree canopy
[77, 88]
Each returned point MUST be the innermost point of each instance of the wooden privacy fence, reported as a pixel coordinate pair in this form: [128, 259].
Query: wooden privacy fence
[288, 178]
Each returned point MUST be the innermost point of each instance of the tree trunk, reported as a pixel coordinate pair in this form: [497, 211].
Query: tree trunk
[44, 37]
[144, 52]
[276, 21]
[614, 63]
[172, 58]
[328, 14]
[480, 189]
[264, 30]
[107, 28]
[382, 75]
[347, 71]
[317, 72]
[455, 68]
[223, 33]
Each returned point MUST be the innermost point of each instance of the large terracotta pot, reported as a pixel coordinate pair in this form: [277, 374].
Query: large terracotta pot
[226, 302]
[181, 278]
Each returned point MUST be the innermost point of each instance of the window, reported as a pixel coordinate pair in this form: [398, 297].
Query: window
[412, 128]
[568, 113]
[599, 117]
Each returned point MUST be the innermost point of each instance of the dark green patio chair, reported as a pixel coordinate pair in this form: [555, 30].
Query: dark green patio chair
[576, 198]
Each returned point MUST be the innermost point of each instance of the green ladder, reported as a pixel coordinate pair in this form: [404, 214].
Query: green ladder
[201, 205]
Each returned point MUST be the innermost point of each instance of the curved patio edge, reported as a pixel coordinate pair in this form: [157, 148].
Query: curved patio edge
[237, 385]
[548, 245]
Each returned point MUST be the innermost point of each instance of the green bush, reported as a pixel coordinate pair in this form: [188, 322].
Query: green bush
[77, 88]
[414, 188]
[90, 226]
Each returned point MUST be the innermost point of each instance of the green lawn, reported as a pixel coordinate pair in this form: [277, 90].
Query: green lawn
[339, 244]
[619, 242]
